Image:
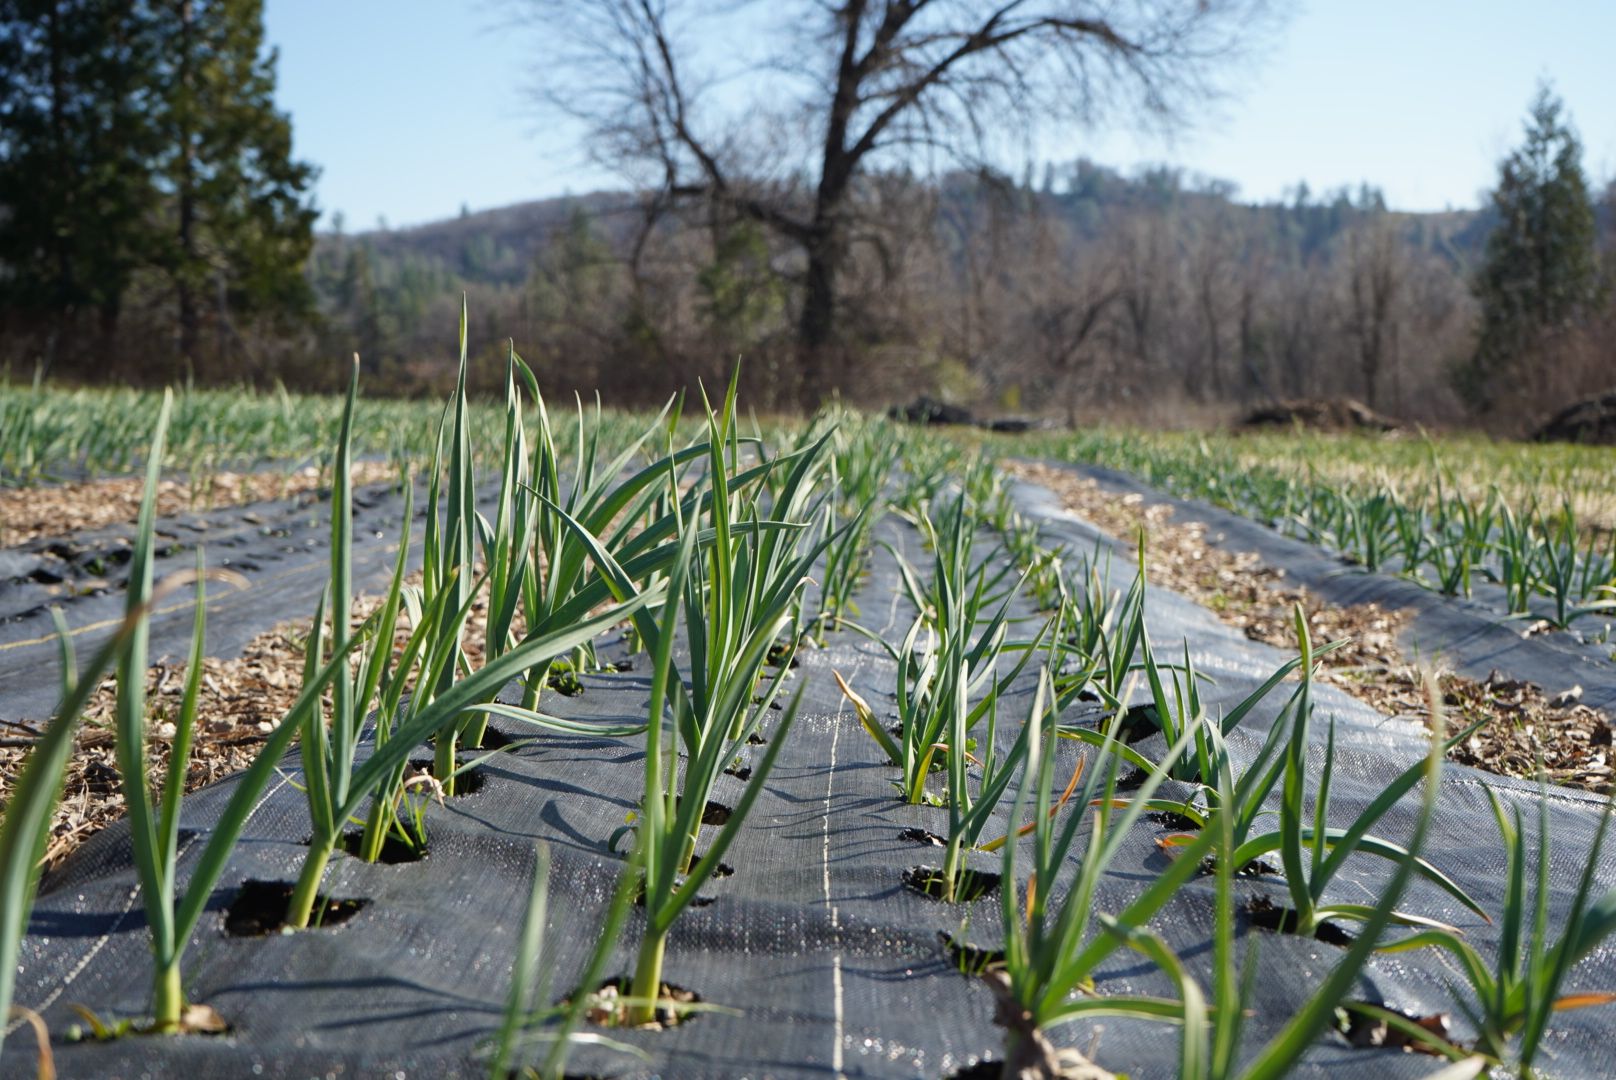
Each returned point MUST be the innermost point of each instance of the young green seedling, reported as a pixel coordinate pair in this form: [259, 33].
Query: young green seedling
[1311, 852]
[25, 825]
[1518, 993]
[1054, 937]
[1210, 1046]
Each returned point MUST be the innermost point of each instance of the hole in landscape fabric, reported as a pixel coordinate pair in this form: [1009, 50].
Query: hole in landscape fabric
[493, 739]
[715, 813]
[922, 836]
[607, 1007]
[466, 783]
[966, 958]
[930, 881]
[259, 908]
[1264, 913]
[565, 682]
[1138, 724]
[394, 850]
[1172, 821]
[777, 655]
[1360, 1029]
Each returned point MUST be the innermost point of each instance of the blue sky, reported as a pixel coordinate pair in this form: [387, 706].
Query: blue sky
[414, 107]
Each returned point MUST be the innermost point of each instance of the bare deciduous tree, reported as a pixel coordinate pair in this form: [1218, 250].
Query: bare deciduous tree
[1376, 267]
[852, 86]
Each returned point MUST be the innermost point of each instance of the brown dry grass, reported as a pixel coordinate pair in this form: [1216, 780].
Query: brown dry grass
[1524, 725]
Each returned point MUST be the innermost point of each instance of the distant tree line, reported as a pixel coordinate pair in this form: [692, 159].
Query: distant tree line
[1072, 292]
[153, 221]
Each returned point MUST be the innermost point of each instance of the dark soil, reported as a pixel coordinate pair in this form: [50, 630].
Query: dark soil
[966, 958]
[259, 908]
[1263, 912]
[929, 881]
[394, 851]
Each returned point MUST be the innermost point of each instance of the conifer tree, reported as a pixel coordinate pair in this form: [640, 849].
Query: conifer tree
[239, 228]
[75, 201]
[139, 140]
[1540, 272]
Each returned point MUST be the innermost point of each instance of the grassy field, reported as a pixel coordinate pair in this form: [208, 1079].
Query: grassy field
[49, 434]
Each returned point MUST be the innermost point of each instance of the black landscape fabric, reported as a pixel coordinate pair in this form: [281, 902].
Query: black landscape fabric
[815, 957]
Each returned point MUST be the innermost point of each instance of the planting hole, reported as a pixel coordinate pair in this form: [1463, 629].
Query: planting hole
[1256, 868]
[394, 850]
[715, 813]
[607, 1008]
[739, 772]
[493, 739]
[1133, 781]
[966, 958]
[565, 682]
[260, 908]
[778, 653]
[1138, 724]
[932, 882]
[1268, 915]
[1168, 820]
[922, 836]
[1372, 1032]
[466, 783]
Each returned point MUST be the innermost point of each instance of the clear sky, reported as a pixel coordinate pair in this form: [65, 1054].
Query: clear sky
[413, 108]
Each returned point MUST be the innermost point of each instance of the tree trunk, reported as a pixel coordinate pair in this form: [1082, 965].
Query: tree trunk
[816, 327]
[189, 316]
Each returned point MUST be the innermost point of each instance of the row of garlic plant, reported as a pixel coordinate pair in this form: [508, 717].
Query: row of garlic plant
[718, 546]
[1526, 532]
[723, 557]
[1095, 647]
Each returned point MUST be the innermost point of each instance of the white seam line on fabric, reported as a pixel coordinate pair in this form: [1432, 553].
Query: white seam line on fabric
[835, 922]
[839, 1033]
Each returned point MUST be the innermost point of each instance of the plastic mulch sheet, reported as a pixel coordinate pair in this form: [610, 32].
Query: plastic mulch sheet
[818, 959]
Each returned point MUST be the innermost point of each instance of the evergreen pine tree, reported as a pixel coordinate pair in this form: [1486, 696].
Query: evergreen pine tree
[239, 228]
[1540, 272]
[75, 201]
[139, 139]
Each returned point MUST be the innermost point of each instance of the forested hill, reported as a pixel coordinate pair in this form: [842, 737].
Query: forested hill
[499, 247]
[979, 286]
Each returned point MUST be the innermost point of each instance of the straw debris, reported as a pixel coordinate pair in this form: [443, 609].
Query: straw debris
[30, 513]
[1526, 725]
